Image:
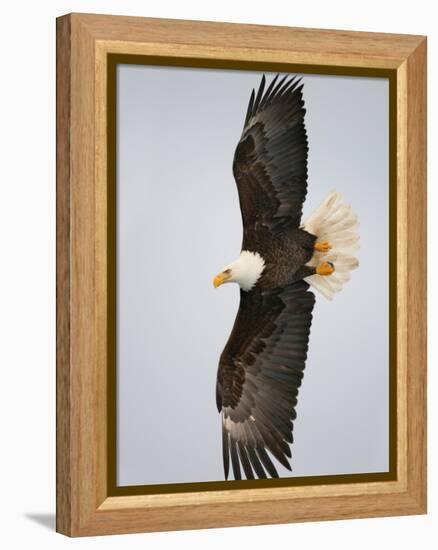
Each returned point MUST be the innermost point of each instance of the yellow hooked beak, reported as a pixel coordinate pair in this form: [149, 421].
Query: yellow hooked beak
[221, 278]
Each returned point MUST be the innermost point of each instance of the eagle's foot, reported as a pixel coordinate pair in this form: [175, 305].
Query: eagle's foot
[325, 268]
[323, 246]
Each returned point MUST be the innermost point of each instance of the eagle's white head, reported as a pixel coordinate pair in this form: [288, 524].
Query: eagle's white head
[245, 271]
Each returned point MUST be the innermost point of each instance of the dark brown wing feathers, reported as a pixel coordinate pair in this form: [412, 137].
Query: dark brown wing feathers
[270, 162]
[259, 374]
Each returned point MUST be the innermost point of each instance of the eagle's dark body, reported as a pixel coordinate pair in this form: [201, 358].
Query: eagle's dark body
[261, 367]
[285, 255]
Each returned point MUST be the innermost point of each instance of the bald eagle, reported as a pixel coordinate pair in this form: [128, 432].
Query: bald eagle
[261, 367]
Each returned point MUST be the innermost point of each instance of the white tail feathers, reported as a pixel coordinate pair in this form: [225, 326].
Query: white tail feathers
[335, 222]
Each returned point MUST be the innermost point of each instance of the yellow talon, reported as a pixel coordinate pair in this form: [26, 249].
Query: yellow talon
[325, 268]
[323, 246]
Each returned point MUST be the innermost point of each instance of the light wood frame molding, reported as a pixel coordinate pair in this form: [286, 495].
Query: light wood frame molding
[84, 43]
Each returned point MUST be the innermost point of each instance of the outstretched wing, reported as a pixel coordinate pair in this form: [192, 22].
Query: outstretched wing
[270, 161]
[260, 371]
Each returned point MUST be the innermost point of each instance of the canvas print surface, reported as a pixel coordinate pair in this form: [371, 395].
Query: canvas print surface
[252, 275]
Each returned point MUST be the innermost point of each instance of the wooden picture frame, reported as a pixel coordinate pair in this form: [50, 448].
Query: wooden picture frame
[88, 47]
